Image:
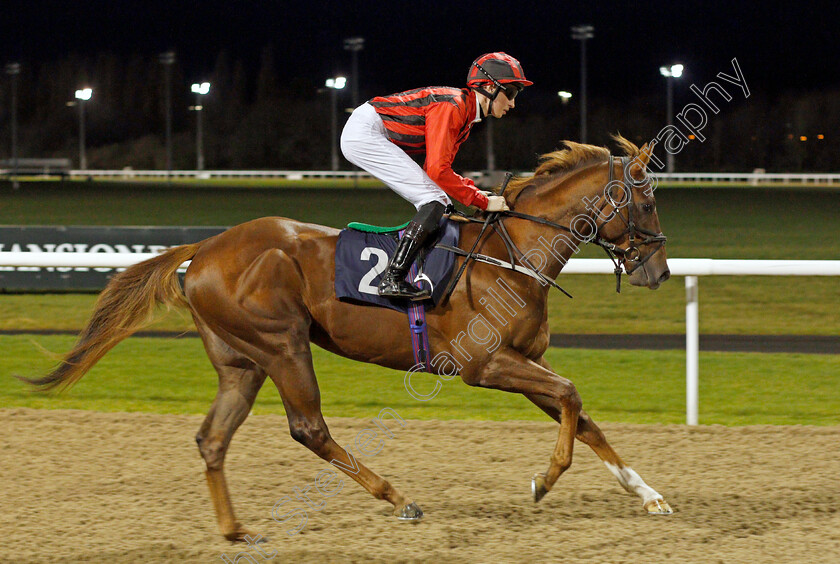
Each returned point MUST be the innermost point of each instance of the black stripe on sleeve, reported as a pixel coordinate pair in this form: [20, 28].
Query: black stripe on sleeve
[417, 102]
[407, 120]
[403, 138]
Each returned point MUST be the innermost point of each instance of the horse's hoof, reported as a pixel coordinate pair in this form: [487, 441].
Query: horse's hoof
[241, 534]
[538, 488]
[658, 507]
[410, 512]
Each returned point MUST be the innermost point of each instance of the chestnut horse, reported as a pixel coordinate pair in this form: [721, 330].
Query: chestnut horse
[261, 292]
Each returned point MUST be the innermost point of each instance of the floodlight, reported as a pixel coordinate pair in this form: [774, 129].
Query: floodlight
[202, 88]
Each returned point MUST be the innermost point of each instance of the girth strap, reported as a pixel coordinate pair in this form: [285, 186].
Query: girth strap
[417, 323]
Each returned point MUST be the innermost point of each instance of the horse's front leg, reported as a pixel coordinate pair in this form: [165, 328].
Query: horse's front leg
[510, 371]
[590, 434]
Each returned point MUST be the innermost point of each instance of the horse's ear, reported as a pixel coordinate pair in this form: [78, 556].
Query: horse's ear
[644, 154]
[638, 168]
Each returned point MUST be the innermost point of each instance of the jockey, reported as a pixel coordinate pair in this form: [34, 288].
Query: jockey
[433, 122]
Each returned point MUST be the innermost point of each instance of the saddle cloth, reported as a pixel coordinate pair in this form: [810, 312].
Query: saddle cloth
[361, 257]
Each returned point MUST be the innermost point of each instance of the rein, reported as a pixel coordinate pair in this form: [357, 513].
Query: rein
[616, 254]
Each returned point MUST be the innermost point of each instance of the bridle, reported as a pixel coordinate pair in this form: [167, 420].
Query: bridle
[631, 253]
[619, 257]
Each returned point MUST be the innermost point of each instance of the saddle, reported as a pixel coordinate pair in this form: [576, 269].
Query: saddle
[362, 254]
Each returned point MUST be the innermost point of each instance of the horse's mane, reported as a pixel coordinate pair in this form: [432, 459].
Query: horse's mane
[563, 161]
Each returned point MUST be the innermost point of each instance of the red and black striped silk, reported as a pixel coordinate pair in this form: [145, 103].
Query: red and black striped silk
[433, 121]
[404, 114]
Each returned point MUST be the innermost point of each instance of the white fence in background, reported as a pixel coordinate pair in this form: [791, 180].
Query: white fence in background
[753, 178]
[690, 268]
[208, 174]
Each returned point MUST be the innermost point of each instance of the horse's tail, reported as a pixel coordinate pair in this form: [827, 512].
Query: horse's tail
[125, 305]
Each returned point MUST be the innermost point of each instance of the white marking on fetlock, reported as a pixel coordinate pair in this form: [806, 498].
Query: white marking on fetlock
[633, 483]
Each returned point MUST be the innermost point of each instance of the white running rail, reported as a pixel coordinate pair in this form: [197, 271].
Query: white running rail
[690, 268]
[753, 178]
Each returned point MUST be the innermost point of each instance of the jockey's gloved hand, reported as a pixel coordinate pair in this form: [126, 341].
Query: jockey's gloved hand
[496, 204]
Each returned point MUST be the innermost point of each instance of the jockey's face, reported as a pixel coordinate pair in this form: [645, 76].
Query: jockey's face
[503, 104]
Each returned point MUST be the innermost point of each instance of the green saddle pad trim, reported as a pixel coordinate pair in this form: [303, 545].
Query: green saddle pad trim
[367, 228]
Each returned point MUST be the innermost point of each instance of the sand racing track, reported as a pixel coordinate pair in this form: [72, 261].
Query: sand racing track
[99, 487]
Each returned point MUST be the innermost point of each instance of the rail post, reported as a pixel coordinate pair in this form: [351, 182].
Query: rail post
[692, 350]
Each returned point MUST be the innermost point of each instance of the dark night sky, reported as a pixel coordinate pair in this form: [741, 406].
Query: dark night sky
[781, 46]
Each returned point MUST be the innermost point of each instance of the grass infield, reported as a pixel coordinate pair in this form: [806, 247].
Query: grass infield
[758, 223]
[174, 376]
[753, 305]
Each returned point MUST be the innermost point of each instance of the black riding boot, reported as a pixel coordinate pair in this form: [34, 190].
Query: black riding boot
[393, 284]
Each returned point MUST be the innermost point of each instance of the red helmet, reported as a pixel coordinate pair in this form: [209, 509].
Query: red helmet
[497, 68]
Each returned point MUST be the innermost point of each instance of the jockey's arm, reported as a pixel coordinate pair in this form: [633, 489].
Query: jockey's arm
[443, 125]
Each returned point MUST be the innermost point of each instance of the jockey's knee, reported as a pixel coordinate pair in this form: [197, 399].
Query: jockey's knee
[429, 214]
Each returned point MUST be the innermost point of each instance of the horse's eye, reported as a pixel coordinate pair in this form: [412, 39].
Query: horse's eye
[647, 207]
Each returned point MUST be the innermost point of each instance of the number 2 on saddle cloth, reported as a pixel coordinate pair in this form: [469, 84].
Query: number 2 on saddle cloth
[361, 258]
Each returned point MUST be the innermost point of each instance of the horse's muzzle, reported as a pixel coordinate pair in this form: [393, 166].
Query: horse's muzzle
[650, 275]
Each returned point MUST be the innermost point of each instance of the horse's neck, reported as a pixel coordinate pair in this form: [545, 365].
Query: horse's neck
[559, 202]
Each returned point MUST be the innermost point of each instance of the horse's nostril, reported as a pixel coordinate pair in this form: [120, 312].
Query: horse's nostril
[665, 276]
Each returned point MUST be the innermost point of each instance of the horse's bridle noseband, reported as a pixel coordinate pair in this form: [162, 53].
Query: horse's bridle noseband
[631, 253]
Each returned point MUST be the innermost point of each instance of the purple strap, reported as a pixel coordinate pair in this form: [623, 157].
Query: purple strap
[417, 324]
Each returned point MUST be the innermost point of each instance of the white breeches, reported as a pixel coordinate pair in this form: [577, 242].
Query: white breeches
[365, 143]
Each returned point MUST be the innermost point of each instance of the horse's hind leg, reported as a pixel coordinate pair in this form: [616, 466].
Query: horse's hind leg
[266, 319]
[239, 382]
[294, 376]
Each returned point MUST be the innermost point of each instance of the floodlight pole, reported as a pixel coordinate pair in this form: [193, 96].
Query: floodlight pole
[200, 90]
[334, 85]
[669, 108]
[333, 128]
[13, 70]
[82, 96]
[199, 145]
[582, 33]
[670, 73]
[82, 155]
[354, 45]
[167, 60]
